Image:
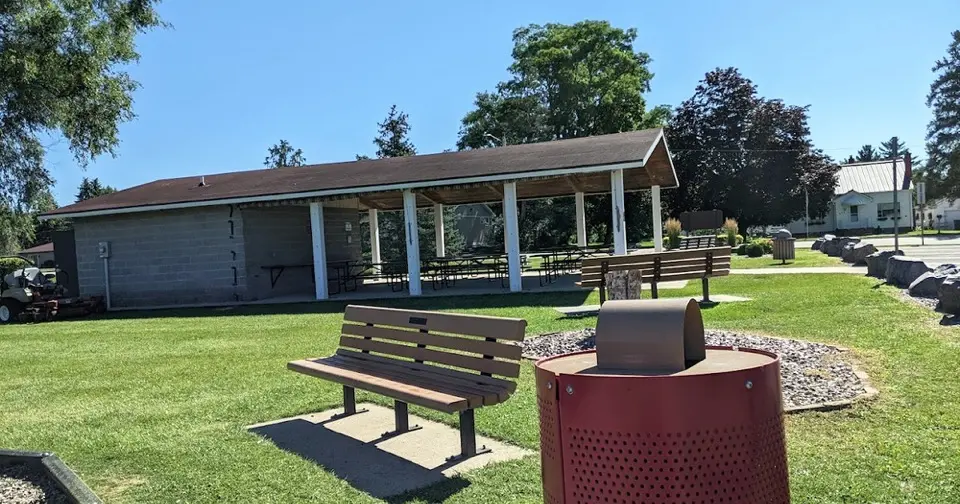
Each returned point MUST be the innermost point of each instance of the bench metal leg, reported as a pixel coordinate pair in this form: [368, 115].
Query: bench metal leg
[349, 404]
[401, 421]
[653, 290]
[468, 438]
[706, 289]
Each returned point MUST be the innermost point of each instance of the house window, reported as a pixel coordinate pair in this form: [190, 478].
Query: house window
[885, 211]
[854, 213]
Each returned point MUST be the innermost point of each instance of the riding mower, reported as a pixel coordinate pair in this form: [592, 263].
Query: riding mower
[27, 294]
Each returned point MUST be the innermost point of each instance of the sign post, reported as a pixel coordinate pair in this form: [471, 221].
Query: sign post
[921, 199]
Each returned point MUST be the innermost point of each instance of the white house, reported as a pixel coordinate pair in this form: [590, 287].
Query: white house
[863, 200]
[941, 214]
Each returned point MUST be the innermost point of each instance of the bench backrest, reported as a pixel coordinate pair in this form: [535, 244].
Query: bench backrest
[697, 242]
[468, 342]
[660, 266]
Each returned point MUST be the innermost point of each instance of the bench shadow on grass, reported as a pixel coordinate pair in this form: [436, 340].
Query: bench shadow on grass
[363, 465]
[493, 301]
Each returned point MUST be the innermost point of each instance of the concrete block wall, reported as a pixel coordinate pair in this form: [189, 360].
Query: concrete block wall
[281, 235]
[171, 257]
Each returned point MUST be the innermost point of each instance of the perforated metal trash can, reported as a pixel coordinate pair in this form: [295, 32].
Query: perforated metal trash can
[709, 433]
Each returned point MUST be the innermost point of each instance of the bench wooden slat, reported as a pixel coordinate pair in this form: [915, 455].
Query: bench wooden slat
[664, 271]
[696, 275]
[480, 347]
[648, 256]
[471, 325]
[480, 364]
[476, 395]
[643, 264]
[391, 388]
[445, 373]
[430, 377]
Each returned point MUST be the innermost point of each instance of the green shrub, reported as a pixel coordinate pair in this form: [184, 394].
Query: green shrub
[765, 243]
[8, 264]
[739, 239]
[722, 240]
[741, 249]
[673, 228]
[754, 249]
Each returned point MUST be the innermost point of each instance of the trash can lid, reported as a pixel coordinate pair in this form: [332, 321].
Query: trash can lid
[718, 360]
[783, 233]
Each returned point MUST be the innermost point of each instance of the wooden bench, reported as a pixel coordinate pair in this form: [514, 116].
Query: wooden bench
[697, 242]
[660, 267]
[442, 361]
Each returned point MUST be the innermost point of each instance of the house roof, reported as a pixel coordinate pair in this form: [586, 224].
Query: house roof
[39, 249]
[541, 169]
[869, 177]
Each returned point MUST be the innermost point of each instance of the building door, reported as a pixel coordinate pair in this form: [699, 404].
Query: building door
[854, 213]
[65, 255]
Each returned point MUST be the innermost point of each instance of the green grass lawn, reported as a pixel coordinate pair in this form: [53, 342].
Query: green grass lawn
[805, 258]
[152, 407]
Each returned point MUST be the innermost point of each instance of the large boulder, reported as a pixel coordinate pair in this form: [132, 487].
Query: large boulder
[859, 252]
[847, 250]
[949, 295]
[902, 270]
[928, 284]
[831, 247]
[817, 244]
[877, 262]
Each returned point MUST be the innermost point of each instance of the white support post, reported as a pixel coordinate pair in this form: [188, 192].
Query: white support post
[374, 236]
[581, 221]
[438, 229]
[617, 200]
[657, 218]
[319, 250]
[411, 231]
[511, 235]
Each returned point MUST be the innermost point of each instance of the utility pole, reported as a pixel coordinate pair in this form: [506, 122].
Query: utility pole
[806, 197]
[896, 206]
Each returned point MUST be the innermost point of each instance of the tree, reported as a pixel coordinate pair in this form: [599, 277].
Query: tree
[746, 155]
[393, 140]
[566, 81]
[943, 132]
[894, 145]
[867, 153]
[282, 155]
[92, 188]
[850, 160]
[62, 71]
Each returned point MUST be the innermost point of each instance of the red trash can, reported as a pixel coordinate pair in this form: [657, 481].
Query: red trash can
[709, 430]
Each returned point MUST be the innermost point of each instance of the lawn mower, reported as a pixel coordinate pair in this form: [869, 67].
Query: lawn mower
[28, 294]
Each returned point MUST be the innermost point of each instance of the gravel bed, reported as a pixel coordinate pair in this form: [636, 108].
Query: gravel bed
[19, 484]
[811, 373]
[930, 302]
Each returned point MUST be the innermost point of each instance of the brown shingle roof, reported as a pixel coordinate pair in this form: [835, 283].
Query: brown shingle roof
[39, 249]
[363, 176]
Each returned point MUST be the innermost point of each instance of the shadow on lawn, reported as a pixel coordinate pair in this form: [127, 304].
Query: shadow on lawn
[550, 299]
[363, 465]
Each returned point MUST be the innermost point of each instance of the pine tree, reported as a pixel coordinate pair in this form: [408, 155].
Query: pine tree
[943, 132]
[867, 153]
[283, 154]
[92, 188]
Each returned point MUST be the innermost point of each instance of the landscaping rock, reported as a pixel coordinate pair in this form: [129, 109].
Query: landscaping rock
[877, 262]
[20, 484]
[902, 270]
[859, 253]
[928, 284]
[949, 294]
[845, 245]
[831, 247]
[817, 244]
[811, 373]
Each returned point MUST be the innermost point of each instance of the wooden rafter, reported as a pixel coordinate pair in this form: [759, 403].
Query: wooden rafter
[575, 183]
[371, 203]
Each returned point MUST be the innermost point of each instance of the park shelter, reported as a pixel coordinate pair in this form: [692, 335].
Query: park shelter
[210, 239]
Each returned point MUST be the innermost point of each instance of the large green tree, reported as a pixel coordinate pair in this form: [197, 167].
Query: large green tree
[566, 81]
[867, 153]
[63, 71]
[744, 154]
[282, 155]
[943, 132]
[92, 188]
[393, 140]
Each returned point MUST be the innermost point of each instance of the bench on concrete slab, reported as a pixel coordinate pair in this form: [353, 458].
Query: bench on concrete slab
[697, 242]
[658, 267]
[447, 362]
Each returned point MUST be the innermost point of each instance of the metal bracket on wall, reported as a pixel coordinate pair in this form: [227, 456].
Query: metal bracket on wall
[233, 255]
[231, 211]
[234, 268]
[231, 227]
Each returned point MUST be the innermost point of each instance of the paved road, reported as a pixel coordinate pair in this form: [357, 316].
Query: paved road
[944, 249]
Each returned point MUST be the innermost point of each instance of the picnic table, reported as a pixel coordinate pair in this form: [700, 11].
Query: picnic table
[564, 261]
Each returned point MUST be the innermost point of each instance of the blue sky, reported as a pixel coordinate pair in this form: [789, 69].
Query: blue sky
[231, 77]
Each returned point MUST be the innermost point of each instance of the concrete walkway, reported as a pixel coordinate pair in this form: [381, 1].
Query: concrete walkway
[855, 270]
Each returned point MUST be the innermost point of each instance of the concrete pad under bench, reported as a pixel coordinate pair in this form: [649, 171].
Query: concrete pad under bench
[352, 449]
